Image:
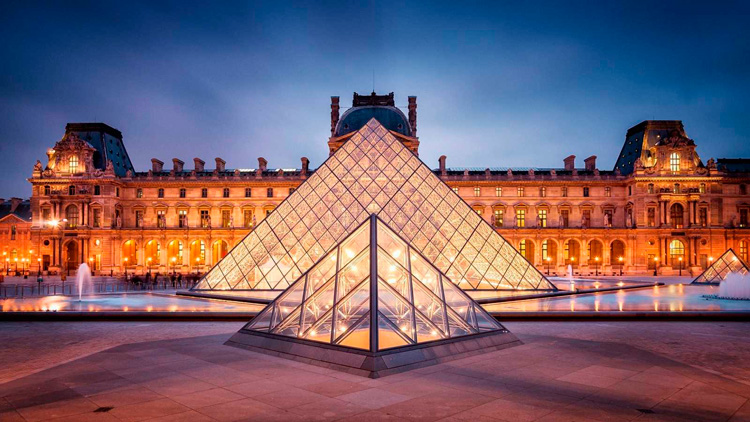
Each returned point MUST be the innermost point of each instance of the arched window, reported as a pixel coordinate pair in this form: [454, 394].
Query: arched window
[572, 252]
[676, 251]
[526, 248]
[174, 255]
[617, 252]
[129, 254]
[595, 252]
[153, 253]
[73, 164]
[676, 214]
[549, 252]
[197, 253]
[218, 250]
[674, 162]
[71, 214]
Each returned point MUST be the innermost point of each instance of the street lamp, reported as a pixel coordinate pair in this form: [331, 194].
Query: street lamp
[174, 265]
[596, 266]
[197, 264]
[126, 268]
[15, 270]
[548, 261]
[656, 264]
[148, 260]
[680, 259]
[91, 264]
[620, 259]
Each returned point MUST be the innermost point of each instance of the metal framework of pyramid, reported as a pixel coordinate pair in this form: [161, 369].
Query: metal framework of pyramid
[373, 173]
[727, 263]
[378, 306]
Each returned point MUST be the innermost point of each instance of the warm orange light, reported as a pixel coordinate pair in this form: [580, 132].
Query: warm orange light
[619, 259]
[596, 259]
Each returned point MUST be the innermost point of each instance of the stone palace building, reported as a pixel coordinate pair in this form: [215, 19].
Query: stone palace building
[661, 208]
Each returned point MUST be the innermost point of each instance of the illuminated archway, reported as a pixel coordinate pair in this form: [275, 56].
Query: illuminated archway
[153, 253]
[595, 253]
[572, 252]
[549, 252]
[617, 252]
[526, 248]
[676, 252]
[174, 254]
[129, 253]
[198, 253]
[218, 251]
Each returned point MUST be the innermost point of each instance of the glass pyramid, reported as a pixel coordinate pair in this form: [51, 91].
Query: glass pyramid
[373, 292]
[373, 173]
[727, 263]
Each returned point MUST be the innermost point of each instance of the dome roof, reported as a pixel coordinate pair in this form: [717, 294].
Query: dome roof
[356, 117]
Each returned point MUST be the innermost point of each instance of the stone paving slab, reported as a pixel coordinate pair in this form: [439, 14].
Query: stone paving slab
[563, 372]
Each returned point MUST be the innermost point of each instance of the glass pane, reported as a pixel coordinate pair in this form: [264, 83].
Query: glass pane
[321, 273]
[396, 309]
[426, 331]
[317, 305]
[430, 306]
[358, 336]
[394, 274]
[391, 244]
[288, 327]
[351, 308]
[262, 322]
[355, 243]
[389, 336]
[485, 322]
[457, 300]
[355, 271]
[290, 300]
[425, 273]
[321, 331]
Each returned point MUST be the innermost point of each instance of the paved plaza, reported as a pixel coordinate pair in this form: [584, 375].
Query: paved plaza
[564, 371]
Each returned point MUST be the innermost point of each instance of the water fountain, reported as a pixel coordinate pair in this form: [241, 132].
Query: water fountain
[735, 286]
[83, 276]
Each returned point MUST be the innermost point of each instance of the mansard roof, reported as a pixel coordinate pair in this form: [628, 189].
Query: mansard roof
[17, 207]
[108, 144]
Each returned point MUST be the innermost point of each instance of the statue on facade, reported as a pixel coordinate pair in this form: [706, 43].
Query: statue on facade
[118, 221]
[208, 221]
[38, 166]
[538, 220]
[109, 170]
[509, 173]
[129, 174]
[553, 173]
[607, 219]
[231, 222]
[630, 218]
[560, 221]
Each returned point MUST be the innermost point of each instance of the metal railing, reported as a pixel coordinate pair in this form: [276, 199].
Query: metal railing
[44, 289]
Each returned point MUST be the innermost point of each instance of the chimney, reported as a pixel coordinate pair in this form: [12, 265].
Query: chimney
[262, 164]
[14, 203]
[570, 162]
[200, 165]
[334, 113]
[441, 160]
[590, 163]
[305, 166]
[413, 115]
[157, 165]
[220, 164]
[177, 164]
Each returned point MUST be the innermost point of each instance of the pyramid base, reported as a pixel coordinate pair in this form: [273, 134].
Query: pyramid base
[372, 364]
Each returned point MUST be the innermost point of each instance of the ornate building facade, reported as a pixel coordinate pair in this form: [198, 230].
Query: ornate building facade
[660, 209]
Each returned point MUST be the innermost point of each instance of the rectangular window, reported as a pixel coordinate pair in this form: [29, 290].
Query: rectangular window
[139, 218]
[477, 191]
[13, 232]
[586, 220]
[73, 164]
[585, 192]
[519, 191]
[46, 212]
[204, 193]
[161, 219]
[205, 223]
[97, 217]
[651, 217]
[183, 192]
[542, 192]
[498, 192]
[161, 193]
[520, 217]
[139, 193]
[226, 216]
[97, 190]
[225, 193]
[248, 192]
[743, 217]
[542, 218]
[269, 192]
[117, 192]
[608, 191]
[182, 221]
[702, 188]
[565, 218]
[498, 218]
[48, 190]
[674, 162]
[564, 191]
[247, 218]
[651, 188]
[703, 217]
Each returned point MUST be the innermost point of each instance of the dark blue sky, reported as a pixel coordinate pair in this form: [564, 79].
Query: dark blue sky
[518, 83]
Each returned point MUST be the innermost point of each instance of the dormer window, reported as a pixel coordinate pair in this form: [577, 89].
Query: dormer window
[73, 164]
[674, 162]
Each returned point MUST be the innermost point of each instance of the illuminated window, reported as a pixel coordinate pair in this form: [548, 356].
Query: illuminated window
[225, 193]
[651, 217]
[498, 218]
[139, 193]
[498, 192]
[73, 164]
[520, 191]
[479, 210]
[702, 188]
[226, 218]
[455, 190]
[564, 191]
[674, 162]
[161, 219]
[565, 217]
[676, 251]
[743, 250]
[522, 248]
[542, 191]
[183, 192]
[204, 218]
[71, 214]
[743, 217]
[608, 218]
[607, 191]
[247, 218]
[676, 188]
[520, 217]
[651, 188]
[477, 191]
[676, 214]
[703, 217]
[542, 218]
[182, 221]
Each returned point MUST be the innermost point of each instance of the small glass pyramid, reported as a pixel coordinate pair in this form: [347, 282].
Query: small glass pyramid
[373, 173]
[373, 292]
[727, 263]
